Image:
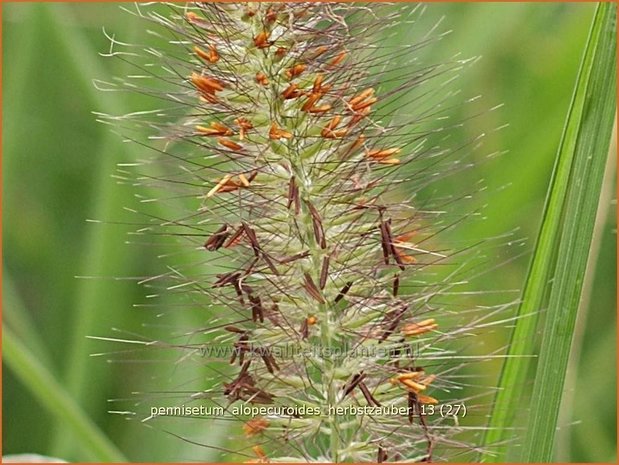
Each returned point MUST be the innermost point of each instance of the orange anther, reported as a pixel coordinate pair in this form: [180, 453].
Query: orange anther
[255, 426]
[206, 85]
[312, 320]
[317, 83]
[426, 399]
[216, 129]
[337, 134]
[271, 15]
[319, 51]
[329, 132]
[354, 146]
[359, 115]
[325, 88]
[295, 70]
[277, 133]
[229, 144]
[212, 56]
[259, 451]
[358, 143]
[261, 40]
[406, 237]
[321, 109]
[406, 381]
[311, 100]
[262, 79]
[364, 104]
[291, 92]
[361, 96]
[228, 184]
[409, 375]
[334, 122]
[338, 59]
[412, 385]
[415, 329]
[389, 161]
[219, 185]
[402, 257]
[379, 154]
[281, 52]
[245, 125]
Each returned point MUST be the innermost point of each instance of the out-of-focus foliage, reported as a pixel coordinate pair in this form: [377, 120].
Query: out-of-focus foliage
[58, 163]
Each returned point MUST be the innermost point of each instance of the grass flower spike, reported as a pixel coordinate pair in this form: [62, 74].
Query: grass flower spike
[330, 265]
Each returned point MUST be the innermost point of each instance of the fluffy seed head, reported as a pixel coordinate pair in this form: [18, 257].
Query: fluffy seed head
[329, 266]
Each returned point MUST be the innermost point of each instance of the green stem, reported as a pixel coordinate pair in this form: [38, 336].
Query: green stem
[326, 329]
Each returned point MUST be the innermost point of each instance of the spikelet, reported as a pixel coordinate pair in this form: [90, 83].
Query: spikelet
[301, 185]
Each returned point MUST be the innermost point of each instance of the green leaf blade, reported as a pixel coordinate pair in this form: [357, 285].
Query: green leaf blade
[591, 150]
[46, 389]
[560, 254]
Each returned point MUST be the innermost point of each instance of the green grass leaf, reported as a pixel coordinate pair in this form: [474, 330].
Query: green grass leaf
[591, 148]
[16, 316]
[46, 389]
[557, 270]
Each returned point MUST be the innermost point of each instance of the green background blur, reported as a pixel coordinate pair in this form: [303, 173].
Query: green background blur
[58, 164]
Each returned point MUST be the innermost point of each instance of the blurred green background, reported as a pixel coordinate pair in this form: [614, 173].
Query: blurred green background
[58, 164]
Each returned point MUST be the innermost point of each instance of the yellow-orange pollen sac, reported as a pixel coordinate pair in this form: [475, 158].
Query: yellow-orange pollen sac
[262, 79]
[319, 51]
[292, 91]
[276, 133]
[262, 40]
[312, 320]
[227, 143]
[255, 426]
[329, 131]
[359, 115]
[281, 52]
[415, 382]
[317, 86]
[216, 129]
[208, 87]
[361, 106]
[338, 59]
[415, 329]
[362, 100]
[318, 91]
[244, 125]
[210, 57]
[271, 15]
[310, 107]
[400, 248]
[295, 70]
[229, 184]
[259, 451]
[383, 156]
